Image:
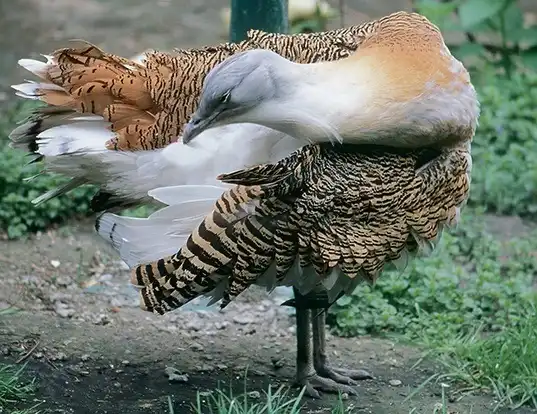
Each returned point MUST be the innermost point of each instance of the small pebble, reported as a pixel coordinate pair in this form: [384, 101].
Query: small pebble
[101, 319]
[63, 310]
[243, 319]
[277, 363]
[63, 281]
[193, 326]
[254, 394]
[221, 325]
[105, 277]
[197, 347]
[60, 356]
[174, 375]
[395, 382]
[205, 368]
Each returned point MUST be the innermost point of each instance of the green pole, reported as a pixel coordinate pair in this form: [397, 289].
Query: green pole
[266, 15]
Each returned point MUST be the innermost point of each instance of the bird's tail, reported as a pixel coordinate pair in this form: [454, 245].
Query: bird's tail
[85, 80]
[95, 103]
[139, 240]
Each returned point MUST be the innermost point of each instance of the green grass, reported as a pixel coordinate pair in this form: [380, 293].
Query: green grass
[277, 401]
[504, 363]
[14, 386]
[270, 402]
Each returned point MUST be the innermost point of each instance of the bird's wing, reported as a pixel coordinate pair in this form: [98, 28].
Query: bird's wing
[328, 216]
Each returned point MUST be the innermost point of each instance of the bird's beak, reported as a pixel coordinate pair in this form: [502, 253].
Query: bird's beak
[197, 125]
[193, 128]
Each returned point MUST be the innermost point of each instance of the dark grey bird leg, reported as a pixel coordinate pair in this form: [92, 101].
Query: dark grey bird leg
[305, 371]
[320, 359]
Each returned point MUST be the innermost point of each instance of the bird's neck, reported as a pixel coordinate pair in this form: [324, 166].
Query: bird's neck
[316, 101]
[364, 99]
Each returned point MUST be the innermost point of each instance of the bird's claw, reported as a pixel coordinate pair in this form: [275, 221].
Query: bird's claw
[315, 383]
[342, 375]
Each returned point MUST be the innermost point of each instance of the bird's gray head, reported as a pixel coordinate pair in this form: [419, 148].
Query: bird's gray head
[233, 89]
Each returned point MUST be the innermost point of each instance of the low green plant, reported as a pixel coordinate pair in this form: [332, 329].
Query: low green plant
[18, 216]
[504, 150]
[13, 387]
[470, 279]
[272, 401]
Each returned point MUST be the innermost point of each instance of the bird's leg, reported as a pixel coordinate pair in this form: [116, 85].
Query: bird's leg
[320, 359]
[305, 372]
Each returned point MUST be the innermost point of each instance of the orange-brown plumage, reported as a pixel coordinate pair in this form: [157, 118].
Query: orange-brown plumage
[401, 87]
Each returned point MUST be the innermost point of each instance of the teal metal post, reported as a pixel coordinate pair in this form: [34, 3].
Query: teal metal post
[266, 15]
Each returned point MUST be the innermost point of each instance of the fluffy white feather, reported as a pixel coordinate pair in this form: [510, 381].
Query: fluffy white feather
[139, 240]
[74, 146]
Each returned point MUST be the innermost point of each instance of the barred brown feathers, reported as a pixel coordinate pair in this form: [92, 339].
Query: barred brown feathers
[149, 104]
[328, 216]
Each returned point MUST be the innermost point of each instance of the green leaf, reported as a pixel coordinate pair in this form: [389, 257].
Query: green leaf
[473, 12]
[436, 12]
[528, 36]
[469, 49]
[514, 22]
[529, 58]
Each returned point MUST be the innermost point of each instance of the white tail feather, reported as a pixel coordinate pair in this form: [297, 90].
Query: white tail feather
[181, 193]
[140, 240]
[72, 137]
[30, 90]
[36, 66]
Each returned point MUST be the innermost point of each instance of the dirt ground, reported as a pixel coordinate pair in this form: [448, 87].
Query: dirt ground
[80, 329]
[94, 351]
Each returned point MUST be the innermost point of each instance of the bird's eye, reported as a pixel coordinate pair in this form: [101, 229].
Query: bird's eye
[225, 98]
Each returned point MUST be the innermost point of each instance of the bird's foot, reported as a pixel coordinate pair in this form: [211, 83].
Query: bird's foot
[342, 375]
[315, 384]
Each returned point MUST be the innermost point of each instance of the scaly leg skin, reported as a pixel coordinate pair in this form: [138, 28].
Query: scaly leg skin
[320, 359]
[305, 372]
